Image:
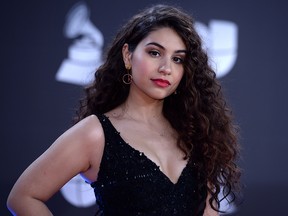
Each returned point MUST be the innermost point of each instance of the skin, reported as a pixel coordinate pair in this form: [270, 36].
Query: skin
[80, 148]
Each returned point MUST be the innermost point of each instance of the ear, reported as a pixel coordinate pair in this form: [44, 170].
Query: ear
[126, 54]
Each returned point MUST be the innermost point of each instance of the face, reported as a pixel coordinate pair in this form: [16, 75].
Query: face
[157, 64]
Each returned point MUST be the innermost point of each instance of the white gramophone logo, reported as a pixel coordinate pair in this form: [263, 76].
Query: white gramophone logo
[220, 39]
[85, 54]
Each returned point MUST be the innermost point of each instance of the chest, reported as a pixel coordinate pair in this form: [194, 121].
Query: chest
[159, 148]
[129, 181]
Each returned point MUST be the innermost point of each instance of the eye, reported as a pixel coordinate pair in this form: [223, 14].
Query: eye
[154, 53]
[178, 60]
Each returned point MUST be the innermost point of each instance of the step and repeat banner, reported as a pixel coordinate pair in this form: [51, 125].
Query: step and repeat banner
[50, 50]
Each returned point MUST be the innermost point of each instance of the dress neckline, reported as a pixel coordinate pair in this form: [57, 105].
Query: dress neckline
[143, 155]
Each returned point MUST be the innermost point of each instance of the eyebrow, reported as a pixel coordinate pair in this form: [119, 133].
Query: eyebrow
[162, 47]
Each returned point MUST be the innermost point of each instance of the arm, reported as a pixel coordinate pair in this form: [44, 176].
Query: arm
[72, 153]
[209, 211]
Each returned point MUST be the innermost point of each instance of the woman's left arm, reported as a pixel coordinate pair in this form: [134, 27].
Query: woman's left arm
[209, 211]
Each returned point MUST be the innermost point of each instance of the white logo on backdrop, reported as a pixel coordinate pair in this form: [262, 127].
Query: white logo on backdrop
[78, 193]
[84, 56]
[225, 206]
[85, 53]
[220, 39]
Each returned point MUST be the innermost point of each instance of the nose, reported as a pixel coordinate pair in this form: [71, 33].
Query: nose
[165, 67]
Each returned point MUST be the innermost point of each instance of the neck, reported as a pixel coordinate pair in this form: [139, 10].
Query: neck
[143, 110]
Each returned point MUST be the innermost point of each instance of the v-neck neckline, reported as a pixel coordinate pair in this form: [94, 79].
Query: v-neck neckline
[142, 154]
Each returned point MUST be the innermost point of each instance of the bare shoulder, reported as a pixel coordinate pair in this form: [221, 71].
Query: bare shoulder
[87, 131]
[80, 148]
[89, 125]
[81, 143]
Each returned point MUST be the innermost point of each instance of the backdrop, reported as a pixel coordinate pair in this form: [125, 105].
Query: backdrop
[49, 49]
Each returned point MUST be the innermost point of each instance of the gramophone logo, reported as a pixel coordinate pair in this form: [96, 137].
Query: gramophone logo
[85, 54]
[220, 39]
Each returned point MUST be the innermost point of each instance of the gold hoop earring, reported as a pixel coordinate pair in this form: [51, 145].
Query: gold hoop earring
[127, 78]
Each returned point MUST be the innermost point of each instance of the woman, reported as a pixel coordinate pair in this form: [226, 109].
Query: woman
[153, 136]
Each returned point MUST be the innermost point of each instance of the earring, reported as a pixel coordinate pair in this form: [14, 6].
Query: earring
[127, 78]
[175, 92]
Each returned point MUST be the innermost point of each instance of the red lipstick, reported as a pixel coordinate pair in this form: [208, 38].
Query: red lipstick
[161, 83]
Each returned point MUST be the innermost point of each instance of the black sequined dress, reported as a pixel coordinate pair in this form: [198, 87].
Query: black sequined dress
[129, 183]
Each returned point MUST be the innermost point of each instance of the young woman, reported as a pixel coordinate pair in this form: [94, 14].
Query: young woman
[153, 135]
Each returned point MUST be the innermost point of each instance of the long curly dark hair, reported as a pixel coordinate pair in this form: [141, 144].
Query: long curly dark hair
[198, 112]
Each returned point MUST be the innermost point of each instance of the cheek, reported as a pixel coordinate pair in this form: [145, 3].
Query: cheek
[179, 76]
[140, 65]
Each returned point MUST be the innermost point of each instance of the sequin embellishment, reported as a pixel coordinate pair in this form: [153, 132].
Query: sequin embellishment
[129, 183]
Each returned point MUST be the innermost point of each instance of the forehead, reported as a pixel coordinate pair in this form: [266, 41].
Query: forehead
[165, 36]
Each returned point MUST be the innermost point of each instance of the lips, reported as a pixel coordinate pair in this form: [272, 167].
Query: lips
[161, 82]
